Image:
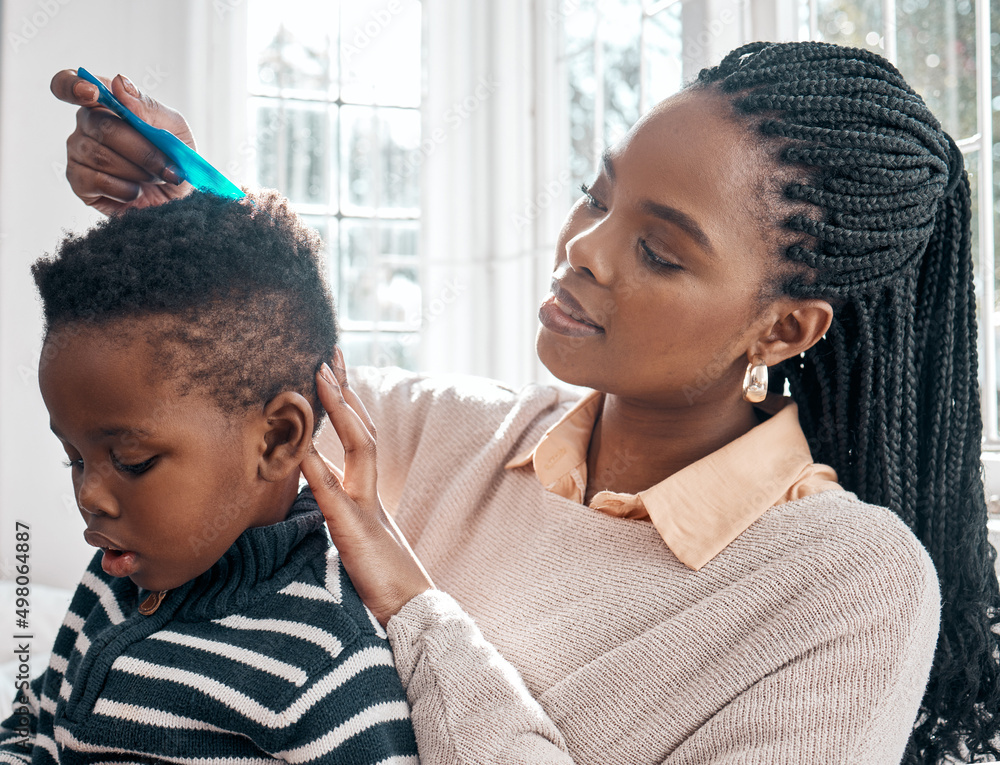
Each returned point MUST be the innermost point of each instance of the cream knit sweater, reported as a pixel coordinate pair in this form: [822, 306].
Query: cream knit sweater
[559, 634]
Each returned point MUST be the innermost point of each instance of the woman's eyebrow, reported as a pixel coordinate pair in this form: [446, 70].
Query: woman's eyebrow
[664, 212]
[609, 168]
[680, 219]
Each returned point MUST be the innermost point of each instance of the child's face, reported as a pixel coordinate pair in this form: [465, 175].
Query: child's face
[165, 482]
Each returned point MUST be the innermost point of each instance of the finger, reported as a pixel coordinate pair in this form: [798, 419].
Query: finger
[84, 150]
[151, 110]
[90, 184]
[329, 465]
[325, 484]
[352, 398]
[359, 447]
[127, 149]
[69, 87]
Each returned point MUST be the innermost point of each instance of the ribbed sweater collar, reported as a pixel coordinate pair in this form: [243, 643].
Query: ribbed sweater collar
[258, 556]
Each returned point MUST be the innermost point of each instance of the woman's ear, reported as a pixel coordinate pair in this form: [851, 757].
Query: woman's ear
[797, 326]
[288, 429]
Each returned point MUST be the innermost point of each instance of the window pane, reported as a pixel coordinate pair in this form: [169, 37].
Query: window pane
[399, 142]
[983, 314]
[857, 23]
[581, 115]
[937, 55]
[621, 21]
[289, 45]
[379, 151]
[267, 120]
[380, 51]
[995, 142]
[380, 349]
[608, 46]
[379, 270]
[663, 55]
[306, 59]
[327, 228]
[293, 148]
[358, 142]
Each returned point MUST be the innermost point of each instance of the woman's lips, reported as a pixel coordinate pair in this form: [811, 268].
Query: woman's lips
[562, 319]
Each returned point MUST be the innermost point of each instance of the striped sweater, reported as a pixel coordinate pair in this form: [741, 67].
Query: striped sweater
[270, 654]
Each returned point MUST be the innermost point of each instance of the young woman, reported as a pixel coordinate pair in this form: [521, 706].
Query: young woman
[663, 571]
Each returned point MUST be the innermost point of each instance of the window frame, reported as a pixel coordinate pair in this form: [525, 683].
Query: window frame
[334, 211]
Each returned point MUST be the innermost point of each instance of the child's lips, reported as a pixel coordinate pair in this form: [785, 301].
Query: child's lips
[117, 561]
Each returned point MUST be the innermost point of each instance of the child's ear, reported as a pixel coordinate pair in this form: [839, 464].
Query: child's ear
[287, 436]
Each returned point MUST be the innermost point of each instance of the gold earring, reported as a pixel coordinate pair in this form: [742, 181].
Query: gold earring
[755, 381]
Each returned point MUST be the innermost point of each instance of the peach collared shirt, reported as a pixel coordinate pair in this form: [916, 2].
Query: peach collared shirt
[700, 510]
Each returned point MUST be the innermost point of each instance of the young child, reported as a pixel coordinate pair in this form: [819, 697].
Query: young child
[216, 623]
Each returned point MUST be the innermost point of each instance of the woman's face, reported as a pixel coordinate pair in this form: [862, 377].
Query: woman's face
[659, 267]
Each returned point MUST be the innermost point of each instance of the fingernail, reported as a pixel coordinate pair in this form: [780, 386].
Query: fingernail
[338, 358]
[131, 89]
[172, 174]
[327, 374]
[85, 90]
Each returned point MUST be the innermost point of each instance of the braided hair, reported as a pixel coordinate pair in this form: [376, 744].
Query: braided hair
[889, 397]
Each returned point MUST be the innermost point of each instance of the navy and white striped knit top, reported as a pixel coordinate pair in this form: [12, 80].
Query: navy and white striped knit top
[270, 654]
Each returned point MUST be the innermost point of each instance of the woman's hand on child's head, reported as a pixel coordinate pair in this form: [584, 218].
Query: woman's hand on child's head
[108, 164]
[375, 554]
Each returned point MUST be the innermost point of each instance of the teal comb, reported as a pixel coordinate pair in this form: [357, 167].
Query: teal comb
[196, 170]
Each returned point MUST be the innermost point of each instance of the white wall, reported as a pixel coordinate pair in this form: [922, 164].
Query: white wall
[171, 49]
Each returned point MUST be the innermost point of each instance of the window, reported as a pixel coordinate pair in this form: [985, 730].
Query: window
[621, 58]
[949, 51]
[944, 49]
[334, 104]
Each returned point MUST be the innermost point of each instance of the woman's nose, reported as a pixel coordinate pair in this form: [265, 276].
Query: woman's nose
[590, 252]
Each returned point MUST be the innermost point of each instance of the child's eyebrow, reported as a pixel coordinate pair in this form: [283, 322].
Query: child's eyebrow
[112, 432]
[118, 431]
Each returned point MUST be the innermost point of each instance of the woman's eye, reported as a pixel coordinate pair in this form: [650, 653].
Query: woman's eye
[591, 199]
[76, 464]
[135, 468]
[655, 259]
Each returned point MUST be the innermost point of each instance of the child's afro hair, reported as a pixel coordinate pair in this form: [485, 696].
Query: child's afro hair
[237, 287]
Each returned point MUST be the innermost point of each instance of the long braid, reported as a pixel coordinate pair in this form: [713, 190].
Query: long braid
[890, 396]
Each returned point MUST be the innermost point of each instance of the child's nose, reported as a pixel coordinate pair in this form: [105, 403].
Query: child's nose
[94, 496]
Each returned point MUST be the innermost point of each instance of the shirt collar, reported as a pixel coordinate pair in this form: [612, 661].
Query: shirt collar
[563, 447]
[701, 509]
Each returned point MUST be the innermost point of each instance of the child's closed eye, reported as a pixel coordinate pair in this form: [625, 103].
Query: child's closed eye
[135, 468]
